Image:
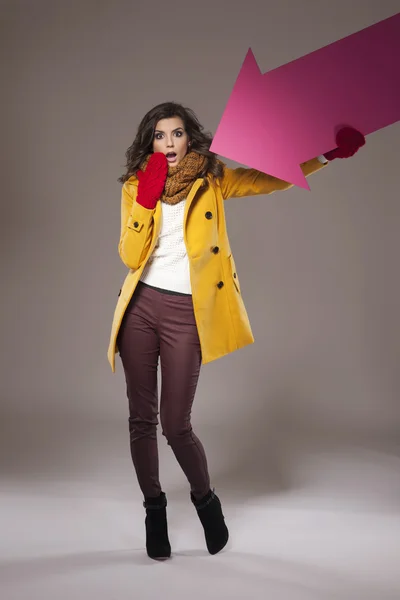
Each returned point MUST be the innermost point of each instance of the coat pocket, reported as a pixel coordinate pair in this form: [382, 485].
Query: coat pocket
[234, 273]
[134, 224]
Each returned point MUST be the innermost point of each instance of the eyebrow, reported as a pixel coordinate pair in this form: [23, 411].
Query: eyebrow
[160, 131]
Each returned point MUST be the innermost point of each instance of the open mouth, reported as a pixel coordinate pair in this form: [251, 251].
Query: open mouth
[171, 156]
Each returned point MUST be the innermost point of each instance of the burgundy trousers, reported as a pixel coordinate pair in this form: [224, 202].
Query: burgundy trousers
[160, 325]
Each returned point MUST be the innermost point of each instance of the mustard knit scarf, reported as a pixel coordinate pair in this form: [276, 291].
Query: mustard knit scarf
[180, 178]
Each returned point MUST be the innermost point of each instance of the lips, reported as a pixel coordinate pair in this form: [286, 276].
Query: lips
[171, 156]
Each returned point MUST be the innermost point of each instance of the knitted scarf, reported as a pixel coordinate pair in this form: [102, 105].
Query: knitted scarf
[180, 178]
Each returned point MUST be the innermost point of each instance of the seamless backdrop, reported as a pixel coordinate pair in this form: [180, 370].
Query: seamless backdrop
[319, 269]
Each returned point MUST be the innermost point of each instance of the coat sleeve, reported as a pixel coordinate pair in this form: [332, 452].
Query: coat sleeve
[136, 229]
[242, 182]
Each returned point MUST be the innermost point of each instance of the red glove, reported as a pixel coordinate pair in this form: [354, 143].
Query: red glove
[349, 140]
[152, 180]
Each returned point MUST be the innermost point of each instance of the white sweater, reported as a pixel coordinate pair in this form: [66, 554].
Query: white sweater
[168, 266]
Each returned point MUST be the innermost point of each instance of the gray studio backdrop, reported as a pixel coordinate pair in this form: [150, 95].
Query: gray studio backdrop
[319, 270]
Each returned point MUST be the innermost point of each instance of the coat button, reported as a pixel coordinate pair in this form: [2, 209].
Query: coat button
[220, 284]
[234, 275]
[208, 215]
[136, 224]
[215, 250]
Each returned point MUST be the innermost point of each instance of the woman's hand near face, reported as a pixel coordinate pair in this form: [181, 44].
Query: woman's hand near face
[152, 181]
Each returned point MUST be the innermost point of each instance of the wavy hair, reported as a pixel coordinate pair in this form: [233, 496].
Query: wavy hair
[143, 143]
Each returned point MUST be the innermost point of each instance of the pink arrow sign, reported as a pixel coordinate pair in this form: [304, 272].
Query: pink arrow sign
[274, 122]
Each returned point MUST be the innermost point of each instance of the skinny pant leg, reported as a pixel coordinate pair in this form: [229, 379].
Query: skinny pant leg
[180, 355]
[138, 345]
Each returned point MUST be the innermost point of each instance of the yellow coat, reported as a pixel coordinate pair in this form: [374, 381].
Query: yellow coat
[221, 317]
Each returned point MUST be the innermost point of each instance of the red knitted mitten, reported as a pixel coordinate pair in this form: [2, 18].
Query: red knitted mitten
[348, 140]
[152, 180]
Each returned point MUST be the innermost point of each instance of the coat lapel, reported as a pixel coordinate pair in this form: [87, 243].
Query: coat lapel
[193, 191]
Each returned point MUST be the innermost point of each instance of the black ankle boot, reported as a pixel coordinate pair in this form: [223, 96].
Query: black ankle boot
[210, 514]
[157, 542]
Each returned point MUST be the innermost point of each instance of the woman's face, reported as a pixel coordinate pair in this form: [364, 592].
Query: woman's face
[171, 139]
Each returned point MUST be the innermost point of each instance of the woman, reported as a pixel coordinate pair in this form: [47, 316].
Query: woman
[181, 300]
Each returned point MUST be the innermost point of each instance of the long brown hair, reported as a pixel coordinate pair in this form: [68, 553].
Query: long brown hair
[143, 143]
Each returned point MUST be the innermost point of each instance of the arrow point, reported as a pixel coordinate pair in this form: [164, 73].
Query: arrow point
[293, 174]
[300, 180]
[250, 65]
[288, 172]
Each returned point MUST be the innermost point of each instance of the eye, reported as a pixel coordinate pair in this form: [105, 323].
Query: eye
[158, 136]
[179, 133]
